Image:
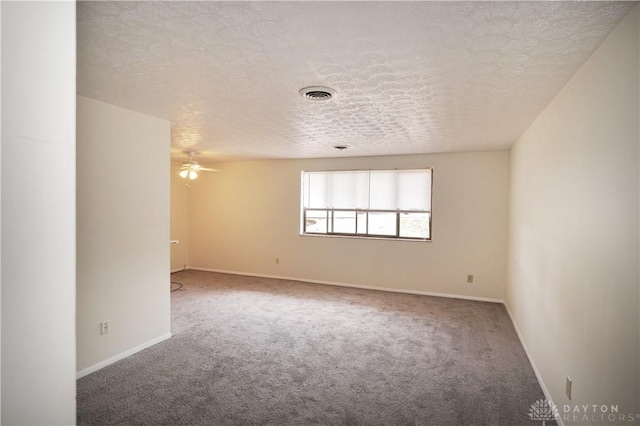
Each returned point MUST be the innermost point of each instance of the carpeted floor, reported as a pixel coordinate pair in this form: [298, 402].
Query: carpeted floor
[248, 351]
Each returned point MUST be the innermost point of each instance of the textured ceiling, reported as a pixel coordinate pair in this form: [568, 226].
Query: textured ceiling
[411, 77]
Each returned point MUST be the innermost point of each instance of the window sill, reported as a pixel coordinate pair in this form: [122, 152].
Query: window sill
[358, 237]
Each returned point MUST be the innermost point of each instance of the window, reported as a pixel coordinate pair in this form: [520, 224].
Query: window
[368, 203]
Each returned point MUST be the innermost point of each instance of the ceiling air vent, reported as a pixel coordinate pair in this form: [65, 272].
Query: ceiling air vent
[317, 93]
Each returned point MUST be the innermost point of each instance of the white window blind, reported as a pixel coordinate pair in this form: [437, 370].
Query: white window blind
[368, 190]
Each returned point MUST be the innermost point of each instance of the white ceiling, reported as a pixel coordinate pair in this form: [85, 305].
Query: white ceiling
[411, 77]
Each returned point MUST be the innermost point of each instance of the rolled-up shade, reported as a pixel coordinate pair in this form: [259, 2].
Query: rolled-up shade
[368, 190]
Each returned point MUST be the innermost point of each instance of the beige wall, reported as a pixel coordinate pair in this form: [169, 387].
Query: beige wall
[573, 248]
[123, 231]
[179, 221]
[246, 216]
[38, 213]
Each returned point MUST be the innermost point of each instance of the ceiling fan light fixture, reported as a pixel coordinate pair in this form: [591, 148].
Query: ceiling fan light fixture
[317, 93]
[190, 169]
[188, 173]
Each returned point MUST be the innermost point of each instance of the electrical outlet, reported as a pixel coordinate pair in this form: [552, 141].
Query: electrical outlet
[104, 327]
[568, 385]
[470, 279]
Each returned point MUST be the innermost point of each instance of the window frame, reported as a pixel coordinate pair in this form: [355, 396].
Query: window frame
[330, 216]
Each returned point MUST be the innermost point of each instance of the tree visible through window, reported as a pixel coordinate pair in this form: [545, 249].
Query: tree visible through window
[368, 203]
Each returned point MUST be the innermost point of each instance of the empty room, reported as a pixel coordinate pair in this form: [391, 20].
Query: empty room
[320, 213]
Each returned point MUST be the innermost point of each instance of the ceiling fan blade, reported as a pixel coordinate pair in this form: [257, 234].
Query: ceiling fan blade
[206, 169]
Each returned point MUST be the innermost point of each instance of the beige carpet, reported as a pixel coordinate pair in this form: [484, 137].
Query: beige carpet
[250, 351]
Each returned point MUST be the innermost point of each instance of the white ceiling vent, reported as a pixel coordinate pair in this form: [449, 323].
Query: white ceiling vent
[317, 93]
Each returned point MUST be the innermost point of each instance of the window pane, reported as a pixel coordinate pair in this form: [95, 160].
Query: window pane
[338, 190]
[375, 189]
[317, 190]
[316, 221]
[341, 202]
[382, 223]
[383, 194]
[414, 225]
[362, 222]
[344, 222]
[400, 189]
[349, 190]
[414, 190]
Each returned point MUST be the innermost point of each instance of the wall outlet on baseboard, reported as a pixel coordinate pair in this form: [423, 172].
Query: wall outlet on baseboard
[470, 279]
[104, 327]
[568, 385]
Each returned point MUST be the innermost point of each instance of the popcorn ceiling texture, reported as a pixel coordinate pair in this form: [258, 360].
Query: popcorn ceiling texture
[410, 77]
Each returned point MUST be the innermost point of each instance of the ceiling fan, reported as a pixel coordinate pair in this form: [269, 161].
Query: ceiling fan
[190, 169]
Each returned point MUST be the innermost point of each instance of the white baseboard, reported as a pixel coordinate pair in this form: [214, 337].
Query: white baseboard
[545, 390]
[121, 355]
[341, 284]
